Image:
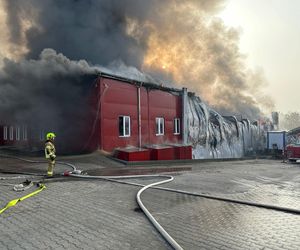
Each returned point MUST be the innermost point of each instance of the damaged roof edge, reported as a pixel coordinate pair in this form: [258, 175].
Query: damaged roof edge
[294, 131]
[137, 82]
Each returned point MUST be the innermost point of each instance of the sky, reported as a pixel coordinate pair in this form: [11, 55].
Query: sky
[270, 38]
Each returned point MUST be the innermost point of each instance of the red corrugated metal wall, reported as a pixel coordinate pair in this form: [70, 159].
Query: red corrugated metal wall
[166, 105]
[111, 98]
[120, 98]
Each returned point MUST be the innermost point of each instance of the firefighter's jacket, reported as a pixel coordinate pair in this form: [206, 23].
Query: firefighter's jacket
[50, 150]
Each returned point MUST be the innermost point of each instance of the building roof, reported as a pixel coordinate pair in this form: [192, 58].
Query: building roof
[294, 131]
[140, 82]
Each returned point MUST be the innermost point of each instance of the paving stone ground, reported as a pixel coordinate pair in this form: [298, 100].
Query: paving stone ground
[79, 215]
[97, 214]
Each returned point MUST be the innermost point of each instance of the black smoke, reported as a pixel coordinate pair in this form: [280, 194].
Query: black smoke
[90, 29]
[49, 83]
[94, 30]
[51, 94]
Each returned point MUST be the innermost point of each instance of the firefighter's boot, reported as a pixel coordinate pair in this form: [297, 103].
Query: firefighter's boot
[50, 168]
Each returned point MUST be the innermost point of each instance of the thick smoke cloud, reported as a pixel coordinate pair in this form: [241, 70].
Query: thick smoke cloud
[48, 94]
[199, 51]
[90, 29]
[180, 41]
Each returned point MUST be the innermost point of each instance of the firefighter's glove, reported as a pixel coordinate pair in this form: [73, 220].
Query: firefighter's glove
[52, 157]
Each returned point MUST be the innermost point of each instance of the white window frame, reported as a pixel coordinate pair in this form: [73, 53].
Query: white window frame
[24, 132]
[42, 135]
[5, 130]
[124, 126]
[17, 133]
[158, 122]
[176, 126]
[11, 133]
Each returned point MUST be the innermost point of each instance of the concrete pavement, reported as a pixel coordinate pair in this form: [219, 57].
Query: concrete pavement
[97, 214]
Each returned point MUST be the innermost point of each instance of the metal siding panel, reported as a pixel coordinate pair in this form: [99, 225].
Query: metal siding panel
[120, 99]
[166, 105]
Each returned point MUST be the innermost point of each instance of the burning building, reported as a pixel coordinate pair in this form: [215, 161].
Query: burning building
[182, 42]
[109, 112]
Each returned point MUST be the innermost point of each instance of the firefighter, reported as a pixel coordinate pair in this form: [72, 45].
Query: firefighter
[50, 153]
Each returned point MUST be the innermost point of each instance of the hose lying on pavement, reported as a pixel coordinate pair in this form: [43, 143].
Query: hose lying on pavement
[212, 197]
[15, 201]
[160, 229]
[33, 161]
[166, 236]
[18, 188]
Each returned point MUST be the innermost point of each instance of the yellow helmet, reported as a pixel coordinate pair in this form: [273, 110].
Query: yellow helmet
[50, 136]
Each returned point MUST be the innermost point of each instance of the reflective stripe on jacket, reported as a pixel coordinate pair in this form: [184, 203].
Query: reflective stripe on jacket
[49, 150]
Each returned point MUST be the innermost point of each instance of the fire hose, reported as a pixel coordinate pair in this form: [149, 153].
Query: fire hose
[77, 173]
[41, 186]
[159, 228]
[15, 201]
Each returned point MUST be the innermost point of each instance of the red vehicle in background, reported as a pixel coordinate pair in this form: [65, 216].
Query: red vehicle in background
[293, 151]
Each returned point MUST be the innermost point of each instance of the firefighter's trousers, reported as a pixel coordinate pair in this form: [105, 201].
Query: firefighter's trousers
[51, 164]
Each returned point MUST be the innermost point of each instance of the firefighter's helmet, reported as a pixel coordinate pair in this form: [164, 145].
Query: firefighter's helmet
[50, 136]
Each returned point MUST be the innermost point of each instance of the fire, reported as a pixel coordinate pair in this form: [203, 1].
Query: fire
[184, 57]
[195, 49]
[171, 56]
[183, 42]
[181, 48]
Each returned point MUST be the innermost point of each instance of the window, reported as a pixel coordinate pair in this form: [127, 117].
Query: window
[11, 133]
[160, 126]
[17, 133]
[124, 126]
[24, 132]
[42, 135]
[5, 132]
[176, 126]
